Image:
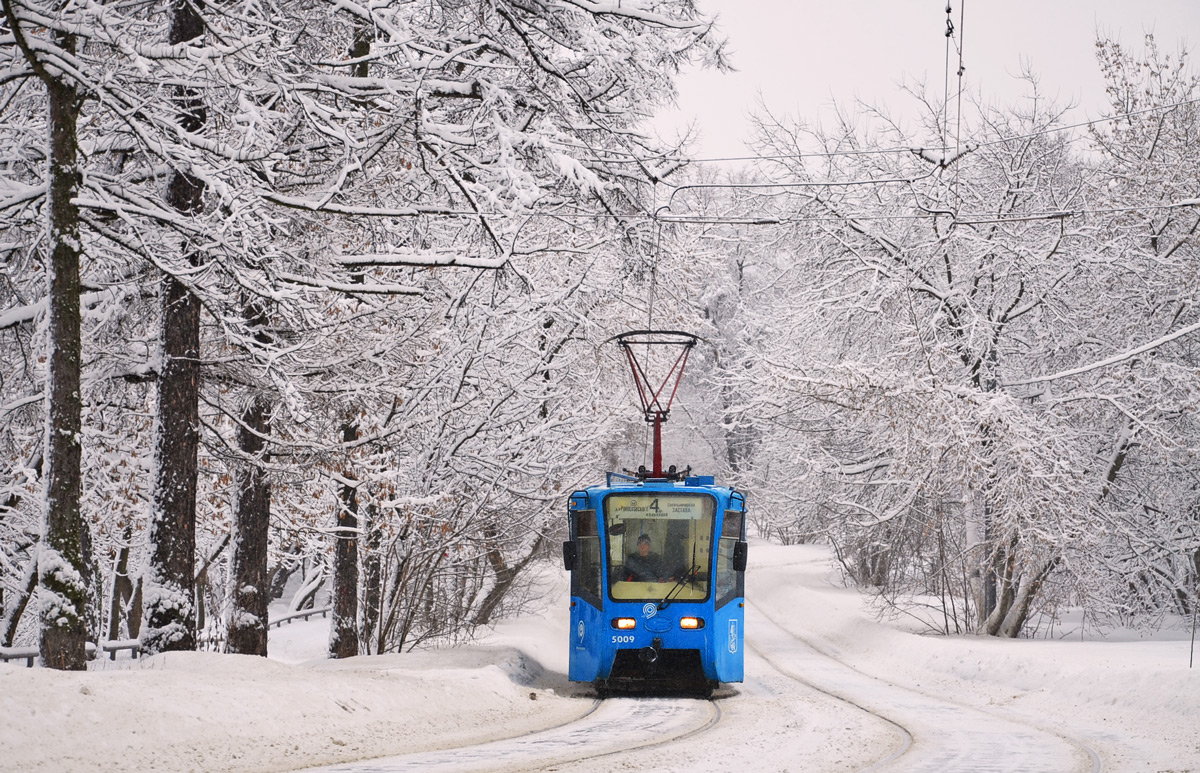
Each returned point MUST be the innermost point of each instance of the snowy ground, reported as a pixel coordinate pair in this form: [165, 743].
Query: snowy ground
[828, 689]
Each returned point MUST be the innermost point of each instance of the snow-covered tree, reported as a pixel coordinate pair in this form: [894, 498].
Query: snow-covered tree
[934, 369]
[314, 161]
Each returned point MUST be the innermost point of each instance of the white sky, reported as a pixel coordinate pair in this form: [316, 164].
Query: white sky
[803, 55]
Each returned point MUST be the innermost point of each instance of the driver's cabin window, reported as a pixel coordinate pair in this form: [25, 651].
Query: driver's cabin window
[659, 544]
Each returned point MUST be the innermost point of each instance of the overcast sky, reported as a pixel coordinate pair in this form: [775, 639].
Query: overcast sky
[803, 55]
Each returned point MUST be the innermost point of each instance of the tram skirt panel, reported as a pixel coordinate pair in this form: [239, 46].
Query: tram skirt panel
[588, 631]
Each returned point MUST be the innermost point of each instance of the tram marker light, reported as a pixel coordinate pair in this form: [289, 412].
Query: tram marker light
[691, 623]
[624, 623]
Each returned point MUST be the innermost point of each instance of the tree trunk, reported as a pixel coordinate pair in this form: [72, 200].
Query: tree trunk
[506, 575]
[170, 588]
[13, 612]
[1005, 579]
[202, 585]
[63, 563]
[134, 619]
[372, 582]
[1018, 615]
[251, 591]
[122, 590]
[343, 630]
[306, 595]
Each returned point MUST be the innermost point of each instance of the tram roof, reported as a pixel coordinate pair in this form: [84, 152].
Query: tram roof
[618, 482]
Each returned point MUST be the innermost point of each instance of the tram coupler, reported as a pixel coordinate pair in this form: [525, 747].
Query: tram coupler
[649, 655]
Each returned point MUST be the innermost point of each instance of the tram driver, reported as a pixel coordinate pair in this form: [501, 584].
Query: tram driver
[644, 566]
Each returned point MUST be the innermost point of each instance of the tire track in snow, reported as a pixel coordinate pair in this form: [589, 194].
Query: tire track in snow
[937, 734]
[614, 726]
[776, 640]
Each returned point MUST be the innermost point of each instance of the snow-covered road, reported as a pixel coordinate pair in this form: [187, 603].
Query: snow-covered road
[929, 733]
[618, 726]
[828, 689]
[896, 728]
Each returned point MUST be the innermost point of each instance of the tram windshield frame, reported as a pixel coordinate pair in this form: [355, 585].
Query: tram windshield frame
[679, 561]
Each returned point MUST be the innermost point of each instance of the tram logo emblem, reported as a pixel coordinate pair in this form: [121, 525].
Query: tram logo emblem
[579, 631]
[649, 611]
[733, 636]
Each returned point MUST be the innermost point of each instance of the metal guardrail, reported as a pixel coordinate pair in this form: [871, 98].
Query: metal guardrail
[30, 654]
[17, 653]
[301, 615]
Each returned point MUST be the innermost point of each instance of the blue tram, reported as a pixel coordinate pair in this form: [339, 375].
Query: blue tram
[657, 584]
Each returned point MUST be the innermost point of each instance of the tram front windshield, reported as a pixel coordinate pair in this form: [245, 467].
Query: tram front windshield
[659, 544]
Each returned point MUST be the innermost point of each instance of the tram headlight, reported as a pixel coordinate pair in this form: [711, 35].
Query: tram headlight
[624, 623]
[691, 623]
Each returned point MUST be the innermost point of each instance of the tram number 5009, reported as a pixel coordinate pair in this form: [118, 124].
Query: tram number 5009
[625, 639]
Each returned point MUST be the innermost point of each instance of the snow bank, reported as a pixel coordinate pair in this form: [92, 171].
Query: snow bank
[1137, 701]
[202, 711]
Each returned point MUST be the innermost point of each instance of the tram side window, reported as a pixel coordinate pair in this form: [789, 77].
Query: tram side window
[587, 572]
[730, 584]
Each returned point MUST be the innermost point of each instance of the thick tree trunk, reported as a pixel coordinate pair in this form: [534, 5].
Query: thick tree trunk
[170, 591]
[343, 630]
[170, 612]
[251, 588]
[64, 564]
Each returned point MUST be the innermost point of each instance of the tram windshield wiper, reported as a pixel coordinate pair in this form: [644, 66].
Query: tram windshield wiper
[684, 580]
[689, 576]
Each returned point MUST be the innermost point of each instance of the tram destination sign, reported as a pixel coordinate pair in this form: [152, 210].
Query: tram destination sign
[675, 507]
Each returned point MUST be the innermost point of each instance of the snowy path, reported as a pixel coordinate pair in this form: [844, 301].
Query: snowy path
[829, 689]
[616, 726]
[797, 695]
[930, 734]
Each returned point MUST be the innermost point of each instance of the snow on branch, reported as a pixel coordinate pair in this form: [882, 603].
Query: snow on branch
[21, 314]
[20, 403]
[22, 194]
[352, 287]
[630, 10]
[28, 313]
[1110, 361]
[342, 209]
[419, 258]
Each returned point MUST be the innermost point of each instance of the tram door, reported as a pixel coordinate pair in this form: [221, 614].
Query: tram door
[729, 592]
[587, 619]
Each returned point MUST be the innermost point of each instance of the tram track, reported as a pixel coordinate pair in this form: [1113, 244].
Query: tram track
[714, 719]
[906, 738]
[613, 726]
[936, 733]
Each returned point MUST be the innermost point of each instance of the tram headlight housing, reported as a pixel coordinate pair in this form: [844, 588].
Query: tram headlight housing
[691, 623]
[624, 623]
